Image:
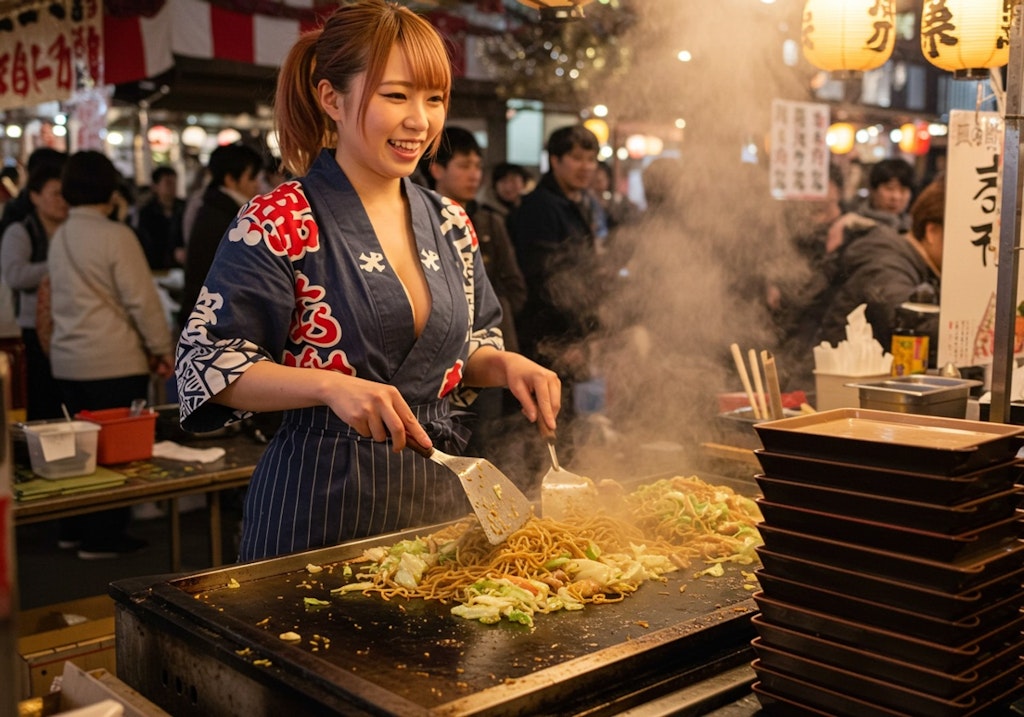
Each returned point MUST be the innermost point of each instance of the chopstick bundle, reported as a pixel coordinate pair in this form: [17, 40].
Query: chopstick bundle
[755, 368]
[741, 368]
[765, 396]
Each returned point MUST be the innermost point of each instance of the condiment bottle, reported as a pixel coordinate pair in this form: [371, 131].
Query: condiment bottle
[909, 347]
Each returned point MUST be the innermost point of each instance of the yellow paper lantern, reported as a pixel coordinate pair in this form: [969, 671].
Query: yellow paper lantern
[600, 129]
[848, 36]
[966, 37]
[840, 137]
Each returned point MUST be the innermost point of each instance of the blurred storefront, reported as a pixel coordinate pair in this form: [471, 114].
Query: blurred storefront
[657, 78]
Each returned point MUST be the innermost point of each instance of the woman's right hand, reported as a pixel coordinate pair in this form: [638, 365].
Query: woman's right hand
[375, 410]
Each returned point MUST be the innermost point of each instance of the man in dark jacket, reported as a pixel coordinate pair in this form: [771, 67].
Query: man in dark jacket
[158, 222]
[885, 269]
[890, 188]
[553, 236]
[234, 180]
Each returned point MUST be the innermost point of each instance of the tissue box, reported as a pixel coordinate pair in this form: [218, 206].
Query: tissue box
[832, 391]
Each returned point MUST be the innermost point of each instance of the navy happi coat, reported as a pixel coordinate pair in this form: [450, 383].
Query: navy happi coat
[301, 279]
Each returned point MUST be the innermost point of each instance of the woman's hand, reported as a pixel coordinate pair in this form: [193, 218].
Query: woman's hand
[538, 389]
[375, 410]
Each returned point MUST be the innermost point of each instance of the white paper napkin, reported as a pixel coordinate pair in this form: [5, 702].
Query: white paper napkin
[178, 452]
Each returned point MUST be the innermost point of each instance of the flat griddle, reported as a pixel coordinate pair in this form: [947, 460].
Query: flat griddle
[414, 657]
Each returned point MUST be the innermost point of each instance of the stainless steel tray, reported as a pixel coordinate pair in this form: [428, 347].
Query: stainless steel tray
[901, 441]
[919, 388]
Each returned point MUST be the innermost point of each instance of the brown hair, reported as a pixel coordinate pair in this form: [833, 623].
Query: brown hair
[928, 208]
[355, 38]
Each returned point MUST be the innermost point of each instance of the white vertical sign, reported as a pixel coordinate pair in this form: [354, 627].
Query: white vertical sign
[971, 240]
[799, 152]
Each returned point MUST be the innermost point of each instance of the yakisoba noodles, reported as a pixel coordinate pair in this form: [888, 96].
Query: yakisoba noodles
[549, 565]
[705, 520]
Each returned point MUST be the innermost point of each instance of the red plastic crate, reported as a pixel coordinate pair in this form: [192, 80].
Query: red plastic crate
[123, 437]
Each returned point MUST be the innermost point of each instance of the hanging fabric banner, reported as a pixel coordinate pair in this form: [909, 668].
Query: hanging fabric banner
[971, 240]
[799, 153]
[48, 49]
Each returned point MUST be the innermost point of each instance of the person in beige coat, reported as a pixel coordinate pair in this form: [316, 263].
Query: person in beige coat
[110, 332]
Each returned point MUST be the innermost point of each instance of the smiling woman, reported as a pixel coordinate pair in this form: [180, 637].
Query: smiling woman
[352, 299]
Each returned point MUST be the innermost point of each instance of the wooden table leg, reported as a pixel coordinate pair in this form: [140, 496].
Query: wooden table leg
[175, 518]
[213, 505]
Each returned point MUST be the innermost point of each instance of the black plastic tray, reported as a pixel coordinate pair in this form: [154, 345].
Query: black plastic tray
[909, 622]
[818, 699]
[902, 441]
[924, 653]
[833, 702]
[863, 661]
[903, 541]
[944, 576]
[938, 604]
[950, 520]
[884, 692]
[890, 482]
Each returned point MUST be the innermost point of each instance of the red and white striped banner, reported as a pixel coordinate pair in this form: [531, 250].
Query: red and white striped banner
[139, 47]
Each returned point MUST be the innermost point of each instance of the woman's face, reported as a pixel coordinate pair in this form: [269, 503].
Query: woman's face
[49, 203]
[401, 121]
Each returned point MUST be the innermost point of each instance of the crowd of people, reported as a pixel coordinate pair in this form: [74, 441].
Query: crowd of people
[883, 251]
[373, 312]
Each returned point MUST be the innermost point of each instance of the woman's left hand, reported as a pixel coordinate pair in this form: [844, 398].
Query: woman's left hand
[538, 389]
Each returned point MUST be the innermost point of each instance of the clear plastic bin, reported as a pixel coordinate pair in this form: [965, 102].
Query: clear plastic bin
[62, 449]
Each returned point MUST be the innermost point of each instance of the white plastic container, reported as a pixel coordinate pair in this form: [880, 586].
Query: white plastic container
[62, 449]
[833, 390]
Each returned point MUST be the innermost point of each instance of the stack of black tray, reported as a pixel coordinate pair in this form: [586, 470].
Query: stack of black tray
[892, 579]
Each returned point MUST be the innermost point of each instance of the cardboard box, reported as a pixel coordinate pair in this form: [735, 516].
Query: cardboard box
[47, 639]
[96, 689]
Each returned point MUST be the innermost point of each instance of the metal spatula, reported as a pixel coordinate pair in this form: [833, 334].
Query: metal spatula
[563, 493]
[499, 505]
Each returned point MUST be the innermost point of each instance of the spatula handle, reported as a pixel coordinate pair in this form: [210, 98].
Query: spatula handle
[424, 451]
[549, 436]
[546, 432]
